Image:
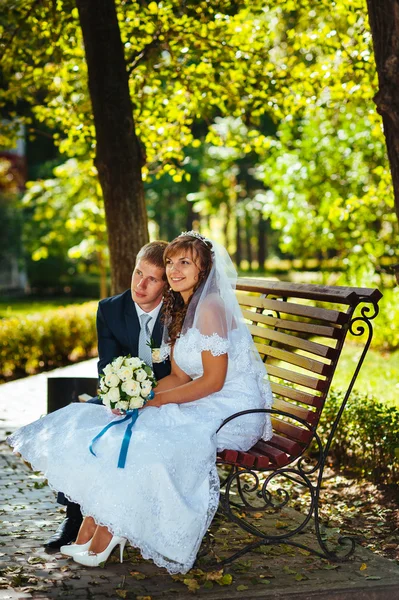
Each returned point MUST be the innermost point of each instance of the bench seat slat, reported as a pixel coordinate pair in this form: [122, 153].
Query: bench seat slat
[261, 460]
[229, 456]
[276, 456]
[288, 446]
[298, 395]
[295, 377]
[310, 364]
[289, 308]
[246, 459]
[291, 340]
[294, 432]
[300, 326]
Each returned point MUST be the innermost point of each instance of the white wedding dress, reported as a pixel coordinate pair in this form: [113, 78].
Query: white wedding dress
[166, 496]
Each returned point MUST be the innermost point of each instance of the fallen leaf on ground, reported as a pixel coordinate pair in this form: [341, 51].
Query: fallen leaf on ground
[192, 584]
[34, 560]
[300, 577]
[227, 579]
[137, 575]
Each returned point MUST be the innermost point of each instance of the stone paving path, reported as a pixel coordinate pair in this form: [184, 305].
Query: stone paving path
[29, 514]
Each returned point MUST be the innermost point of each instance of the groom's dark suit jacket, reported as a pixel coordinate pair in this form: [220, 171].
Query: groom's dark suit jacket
[118, 330]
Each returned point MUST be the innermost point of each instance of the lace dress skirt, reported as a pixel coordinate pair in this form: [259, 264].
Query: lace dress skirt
[165, 497]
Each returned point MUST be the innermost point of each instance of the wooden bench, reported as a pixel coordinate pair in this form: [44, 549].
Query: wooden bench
[300, 331]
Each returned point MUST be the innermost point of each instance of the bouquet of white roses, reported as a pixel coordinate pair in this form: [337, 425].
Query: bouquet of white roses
[126, 383]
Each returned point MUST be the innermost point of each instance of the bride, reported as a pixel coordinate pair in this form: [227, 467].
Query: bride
[165, 498]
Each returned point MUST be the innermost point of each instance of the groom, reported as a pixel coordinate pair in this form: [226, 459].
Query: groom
[125, 324]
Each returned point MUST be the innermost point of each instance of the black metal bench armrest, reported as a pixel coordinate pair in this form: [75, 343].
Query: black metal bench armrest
[272, 411]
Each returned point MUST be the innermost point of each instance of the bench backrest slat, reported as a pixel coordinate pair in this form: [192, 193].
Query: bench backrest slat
[298, 395]
[300, 310]
[294, 359]
[286, 339]
[290, 325]
[295, 377]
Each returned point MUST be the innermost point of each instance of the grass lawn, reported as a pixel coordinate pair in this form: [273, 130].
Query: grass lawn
[12, 307]
[379, 375]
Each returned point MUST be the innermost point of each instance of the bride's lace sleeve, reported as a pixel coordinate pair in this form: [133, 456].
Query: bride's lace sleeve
[211, 327]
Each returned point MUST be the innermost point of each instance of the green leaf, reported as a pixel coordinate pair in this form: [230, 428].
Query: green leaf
[227, 579]
[153, 7]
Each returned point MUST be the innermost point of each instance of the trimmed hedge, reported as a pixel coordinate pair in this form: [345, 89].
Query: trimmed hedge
[44, 341]
[367, 438]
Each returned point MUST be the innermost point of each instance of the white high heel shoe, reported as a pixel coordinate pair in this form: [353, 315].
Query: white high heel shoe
[94, 560]
[72, 549]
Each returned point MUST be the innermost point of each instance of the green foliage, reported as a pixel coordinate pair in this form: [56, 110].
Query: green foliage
[291, 83]
[186, 62]
[66, 212]
[386, 332]
[368, 435]
[43, 341]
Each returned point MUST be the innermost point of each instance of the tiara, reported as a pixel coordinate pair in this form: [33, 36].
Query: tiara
[197, 235]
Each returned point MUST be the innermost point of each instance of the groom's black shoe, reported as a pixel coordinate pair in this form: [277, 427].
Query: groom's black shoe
[67, 532]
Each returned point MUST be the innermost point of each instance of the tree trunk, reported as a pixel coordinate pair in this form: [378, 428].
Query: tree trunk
[226, 225]
[190, 215]
[262, 251]
[248, 238]
[118, 154]
[238, 256]
[103, 274]
[384, 24]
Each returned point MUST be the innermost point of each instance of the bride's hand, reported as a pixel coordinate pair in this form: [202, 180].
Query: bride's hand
[157, 401]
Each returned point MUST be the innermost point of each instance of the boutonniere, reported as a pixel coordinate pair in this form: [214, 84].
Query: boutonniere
[155, 352]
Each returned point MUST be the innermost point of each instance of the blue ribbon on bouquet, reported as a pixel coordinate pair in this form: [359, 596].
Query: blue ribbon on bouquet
[130, 415]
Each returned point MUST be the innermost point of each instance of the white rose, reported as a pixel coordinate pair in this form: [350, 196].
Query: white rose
[108, 370]
[156, 355]
[134, 363]
[113, 394]
[122, 405]
[146, 388]
[140, 375]
[106, 401]
[118, 362]
[131, 387]
[136, 402]
[125, 373]
[103, 387]
[112, 380]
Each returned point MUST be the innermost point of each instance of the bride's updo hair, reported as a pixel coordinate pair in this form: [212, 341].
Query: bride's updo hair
[200, 251]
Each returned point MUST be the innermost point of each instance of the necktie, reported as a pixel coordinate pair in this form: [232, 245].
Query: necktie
[144, 339]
